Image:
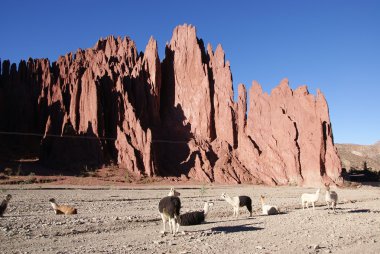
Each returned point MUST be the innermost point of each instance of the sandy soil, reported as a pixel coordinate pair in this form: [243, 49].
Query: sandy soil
[126, 220]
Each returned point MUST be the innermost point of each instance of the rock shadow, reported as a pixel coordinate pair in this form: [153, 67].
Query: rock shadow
[172, 137]
[171, 144]
[71, 152]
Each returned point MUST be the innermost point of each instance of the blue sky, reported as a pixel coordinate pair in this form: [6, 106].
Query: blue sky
[327, 44]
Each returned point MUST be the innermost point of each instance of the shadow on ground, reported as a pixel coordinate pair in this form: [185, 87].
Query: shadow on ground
[360, 211]
[235, 229]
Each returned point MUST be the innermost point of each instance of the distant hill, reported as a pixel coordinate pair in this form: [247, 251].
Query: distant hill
[354, 156]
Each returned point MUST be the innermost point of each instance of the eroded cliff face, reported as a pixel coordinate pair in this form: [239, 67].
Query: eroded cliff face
[110, 104]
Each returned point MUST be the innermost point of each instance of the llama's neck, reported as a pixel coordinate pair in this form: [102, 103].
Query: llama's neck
[317, 195]
[206, 209]
[54, 205]
[262, 202]
[230, 200]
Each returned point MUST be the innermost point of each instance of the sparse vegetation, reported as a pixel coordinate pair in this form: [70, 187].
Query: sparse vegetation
[3, 176]
[19, 170]
[30, 180]
[145, 180]
[8, 171]
[85, 172]
[203, 190]
[127, 179]
[292, 183]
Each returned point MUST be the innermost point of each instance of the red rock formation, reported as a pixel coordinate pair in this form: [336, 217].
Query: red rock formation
[288, 127]
[110, 104]
[187, 86]
[221, 85]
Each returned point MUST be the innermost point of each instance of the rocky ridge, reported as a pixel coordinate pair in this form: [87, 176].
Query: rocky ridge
[177, 117]
[355, 156]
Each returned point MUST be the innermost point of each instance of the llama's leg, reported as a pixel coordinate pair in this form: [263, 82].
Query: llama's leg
[176, 224]
[163, 222]
[172, 226]
[172, 220]
[303, 205]
[313, 206]
[328, 205]
[177, 229]
[250, 210]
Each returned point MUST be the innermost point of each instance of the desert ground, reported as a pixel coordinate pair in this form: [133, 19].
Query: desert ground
[125, 219]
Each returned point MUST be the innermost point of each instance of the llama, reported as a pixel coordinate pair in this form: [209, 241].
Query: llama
[268, 209]
[307, 198]
[331, 197]
[4, 204]
[169, 208]
[62, 209]
[197, 217]
[237, 202]
[174, 193]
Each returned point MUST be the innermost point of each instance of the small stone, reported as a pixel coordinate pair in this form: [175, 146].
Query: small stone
[260, 247]
[316, 247]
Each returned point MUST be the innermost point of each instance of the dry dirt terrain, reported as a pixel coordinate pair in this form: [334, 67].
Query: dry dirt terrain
[126, 220]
